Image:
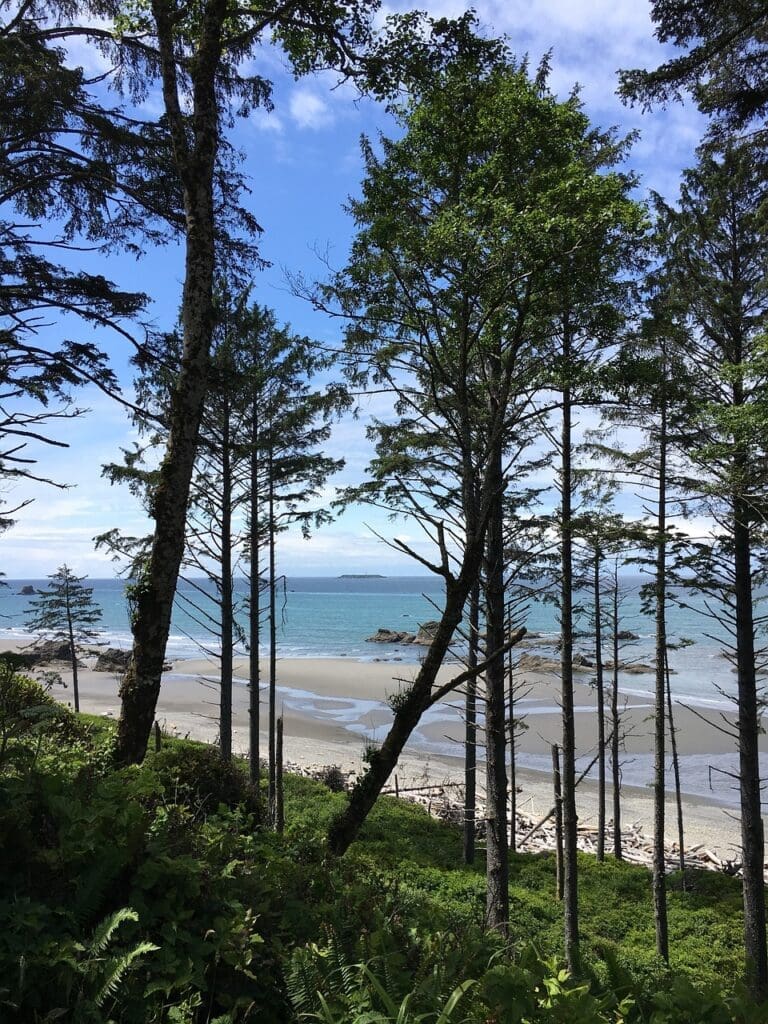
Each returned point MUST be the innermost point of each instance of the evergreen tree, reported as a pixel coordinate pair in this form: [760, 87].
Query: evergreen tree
[450, 290]
[65, 611]
[716, 244]
[200, 58]
[288, 419]
[71, 174]
[725, 66]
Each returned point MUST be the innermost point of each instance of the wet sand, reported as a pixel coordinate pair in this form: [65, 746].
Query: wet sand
[329, 706]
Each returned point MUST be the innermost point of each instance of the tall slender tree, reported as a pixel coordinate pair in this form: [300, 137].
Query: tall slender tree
[451, 277]
[198, 56]
[717, 241]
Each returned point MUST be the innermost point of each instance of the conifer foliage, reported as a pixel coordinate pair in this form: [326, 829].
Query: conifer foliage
[65, 611]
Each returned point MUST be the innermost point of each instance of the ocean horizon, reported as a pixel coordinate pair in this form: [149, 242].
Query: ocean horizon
[332, 617]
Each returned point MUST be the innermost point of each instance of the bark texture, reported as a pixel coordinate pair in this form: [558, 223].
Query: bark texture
[497, 828]
[470, 735]
[600, 685]
[570, 817]
[659, 771]
[752, 836]
[195, 151]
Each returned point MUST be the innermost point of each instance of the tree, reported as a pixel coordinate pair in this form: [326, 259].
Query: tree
[587, 305]
[599, 533]
[449, 293]
[288, 419]
[725, 68]
[198, 55]
[716, 245]
[654, 388]
[71, 176]
[65, 611]
[258, 467]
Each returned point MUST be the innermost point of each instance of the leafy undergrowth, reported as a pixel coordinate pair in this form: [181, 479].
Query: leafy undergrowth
[154, 894]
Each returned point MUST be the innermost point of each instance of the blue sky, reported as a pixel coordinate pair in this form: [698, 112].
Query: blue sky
[303, 162]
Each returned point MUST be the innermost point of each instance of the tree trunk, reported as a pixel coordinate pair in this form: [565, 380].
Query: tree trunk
[470, 735]
[659, 779]
[600, 710]
[345, 827]
[752, 838]
[616, 722]
[497, 834]
[676, 771]
[254, 604]
[558, 792]
[512, 732]
[279, 802]
[227, 610]
[570, 818]
[272, 794]
[195, 145]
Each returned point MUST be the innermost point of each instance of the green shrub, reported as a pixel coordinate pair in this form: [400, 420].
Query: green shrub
[196, 775]
[29, 716]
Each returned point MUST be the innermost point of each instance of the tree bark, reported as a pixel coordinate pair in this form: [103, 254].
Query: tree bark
[752, 837]
[570, 818]
[659, 773]
[512, 732]
[616, 722]
[227, 597]
[676, 770]
[470, 734]
[497, 834]
[558, 793]
[195, 149]
[272, 793]
[254, 604]
[599, 681]
[279, 802]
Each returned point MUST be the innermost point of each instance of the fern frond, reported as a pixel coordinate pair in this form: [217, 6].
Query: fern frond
[117, 968]
[104, 931]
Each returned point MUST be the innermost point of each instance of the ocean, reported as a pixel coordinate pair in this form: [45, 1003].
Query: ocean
[330, 617]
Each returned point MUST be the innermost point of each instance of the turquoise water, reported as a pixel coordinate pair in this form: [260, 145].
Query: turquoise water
[331, 617]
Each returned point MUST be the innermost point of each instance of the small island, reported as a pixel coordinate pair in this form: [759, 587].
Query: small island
[361, 576]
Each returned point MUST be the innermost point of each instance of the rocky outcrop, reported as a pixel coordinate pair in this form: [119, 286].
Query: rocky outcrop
[626, 634]
[49, 650]
[114, 659]
[426, 633]
[389, 636]
[635, 668]
[424, 636]
[27, 591]
[539, 663]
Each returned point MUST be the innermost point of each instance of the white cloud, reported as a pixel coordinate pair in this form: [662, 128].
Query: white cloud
[309, 110]
[266, 121]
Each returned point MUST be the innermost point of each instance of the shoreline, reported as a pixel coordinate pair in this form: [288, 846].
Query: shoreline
[333, 706]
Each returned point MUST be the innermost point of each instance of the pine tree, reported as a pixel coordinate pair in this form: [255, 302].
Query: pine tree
[65, 611]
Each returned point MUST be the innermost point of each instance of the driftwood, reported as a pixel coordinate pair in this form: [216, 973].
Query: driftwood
[444, 800]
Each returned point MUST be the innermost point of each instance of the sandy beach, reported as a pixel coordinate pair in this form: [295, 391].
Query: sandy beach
[330, 706]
